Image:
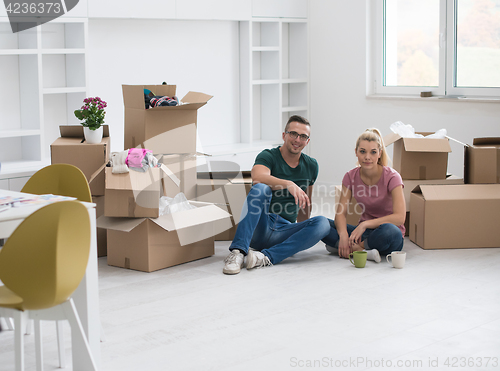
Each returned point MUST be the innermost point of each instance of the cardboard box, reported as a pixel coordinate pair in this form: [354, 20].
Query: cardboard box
[229, 191]
[102, 235]
[150, 244]
[482, 161]
[354, 210]
[411, 184]
[167, 129]
[89, 158]
[183, 166]
[133, 194]
[419, 158]
[455, 216]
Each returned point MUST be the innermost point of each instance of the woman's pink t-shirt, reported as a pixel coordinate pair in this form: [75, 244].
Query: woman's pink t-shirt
[375, 200]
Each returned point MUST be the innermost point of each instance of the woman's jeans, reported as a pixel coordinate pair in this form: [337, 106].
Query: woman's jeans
[274, 236]
[386, 238]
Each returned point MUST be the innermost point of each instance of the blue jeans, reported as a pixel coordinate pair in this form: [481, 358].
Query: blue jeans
[386, 238]
[276, 237]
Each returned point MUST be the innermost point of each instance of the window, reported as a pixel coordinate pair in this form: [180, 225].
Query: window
[449, 47]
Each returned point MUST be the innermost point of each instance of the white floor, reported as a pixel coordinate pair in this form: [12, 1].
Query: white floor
[313, 311]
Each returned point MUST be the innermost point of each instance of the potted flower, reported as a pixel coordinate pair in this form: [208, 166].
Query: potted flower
[92, 114]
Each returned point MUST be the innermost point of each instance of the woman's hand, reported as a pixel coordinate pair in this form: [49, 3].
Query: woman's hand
[344, 247]
[355, 237]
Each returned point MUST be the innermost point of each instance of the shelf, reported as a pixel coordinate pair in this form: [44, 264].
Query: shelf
[294, 108]
[18, 133]
[80, 89]
[43, 80]
[294, 81]
[265, 49]
[18, 52]
[63, 51]
[265, 82]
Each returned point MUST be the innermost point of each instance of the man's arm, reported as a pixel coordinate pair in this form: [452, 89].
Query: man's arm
[262, 174]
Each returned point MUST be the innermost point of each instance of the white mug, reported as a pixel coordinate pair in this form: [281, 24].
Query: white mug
[397, 259]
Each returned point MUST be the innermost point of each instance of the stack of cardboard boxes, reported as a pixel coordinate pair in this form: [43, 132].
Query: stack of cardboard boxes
[91, 159]
[461, 216]
[138, 236]
[131, 230]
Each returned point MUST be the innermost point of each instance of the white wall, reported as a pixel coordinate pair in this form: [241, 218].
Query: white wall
[340, 110]
[194, 55]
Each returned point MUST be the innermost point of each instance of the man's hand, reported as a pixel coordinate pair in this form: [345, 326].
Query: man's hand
[300, 196]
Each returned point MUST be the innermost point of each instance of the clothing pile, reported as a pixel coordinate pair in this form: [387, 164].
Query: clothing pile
[151, 100]
[137, 159]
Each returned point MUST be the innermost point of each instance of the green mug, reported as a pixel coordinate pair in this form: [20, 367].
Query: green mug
[359, 258]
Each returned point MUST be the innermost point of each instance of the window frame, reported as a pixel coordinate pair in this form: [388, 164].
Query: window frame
[447, 58]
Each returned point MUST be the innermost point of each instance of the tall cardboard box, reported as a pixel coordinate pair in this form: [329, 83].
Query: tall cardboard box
[455, 216]
[150, 244]
[482, 161]
[419, 158]
[89, 158]
[167, 129]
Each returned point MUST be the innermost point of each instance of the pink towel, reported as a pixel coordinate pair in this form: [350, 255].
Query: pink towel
[136, 156]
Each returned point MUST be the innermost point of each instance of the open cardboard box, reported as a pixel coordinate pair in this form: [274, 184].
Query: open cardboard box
[150, 244]
[482, 161]
[419, 158]
[89, 158]
[134, 194]
[167, 129]
[455, 216]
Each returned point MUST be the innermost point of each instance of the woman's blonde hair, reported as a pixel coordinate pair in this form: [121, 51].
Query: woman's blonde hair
[373, 135]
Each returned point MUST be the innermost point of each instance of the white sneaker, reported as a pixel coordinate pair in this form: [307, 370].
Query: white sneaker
[256, 259]
[233, 262]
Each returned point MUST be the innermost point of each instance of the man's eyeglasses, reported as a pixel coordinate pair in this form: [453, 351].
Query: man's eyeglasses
[294, 135]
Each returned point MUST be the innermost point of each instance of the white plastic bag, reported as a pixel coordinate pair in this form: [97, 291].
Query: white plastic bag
[440, 134]
[404, 130]
[169, 205]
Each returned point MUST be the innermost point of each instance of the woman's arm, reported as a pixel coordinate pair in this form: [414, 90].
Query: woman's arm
[397, 217]
[341, 222]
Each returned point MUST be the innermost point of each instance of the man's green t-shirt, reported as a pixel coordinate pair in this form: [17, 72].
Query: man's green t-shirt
[304, 175]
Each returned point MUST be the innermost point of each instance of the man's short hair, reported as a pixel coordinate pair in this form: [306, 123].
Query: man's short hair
[296, 118]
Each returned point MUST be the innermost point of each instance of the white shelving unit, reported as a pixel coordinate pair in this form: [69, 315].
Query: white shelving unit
[274, 76]
[44, 79]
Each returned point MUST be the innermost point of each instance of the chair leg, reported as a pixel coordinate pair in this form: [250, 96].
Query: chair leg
[38, 345]
[28, 326]
[60, 344]
[20, 323]
[77, 328]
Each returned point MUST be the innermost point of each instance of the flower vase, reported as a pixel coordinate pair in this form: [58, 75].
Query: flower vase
[92, 136]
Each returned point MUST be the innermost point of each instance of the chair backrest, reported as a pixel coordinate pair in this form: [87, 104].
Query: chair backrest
[59, 179]
[45, 258]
